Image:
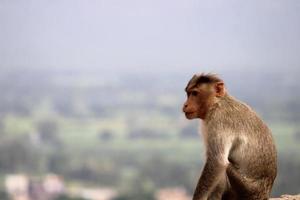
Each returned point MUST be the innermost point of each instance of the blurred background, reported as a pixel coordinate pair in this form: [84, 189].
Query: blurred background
[91, 92]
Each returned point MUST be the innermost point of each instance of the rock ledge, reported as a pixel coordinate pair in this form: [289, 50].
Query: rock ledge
[287, 197]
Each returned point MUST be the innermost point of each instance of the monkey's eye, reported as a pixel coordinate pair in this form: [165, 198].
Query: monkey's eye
[194, 93]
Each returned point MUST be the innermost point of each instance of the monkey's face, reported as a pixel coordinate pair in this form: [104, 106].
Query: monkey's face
[199, 100]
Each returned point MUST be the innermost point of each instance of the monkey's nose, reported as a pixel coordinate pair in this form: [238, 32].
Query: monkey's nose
[184, 107]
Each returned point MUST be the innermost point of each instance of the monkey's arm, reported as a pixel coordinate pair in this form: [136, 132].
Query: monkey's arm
[209, 179]
[213, 170]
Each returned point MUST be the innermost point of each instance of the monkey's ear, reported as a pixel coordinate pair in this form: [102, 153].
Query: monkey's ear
[220, 89]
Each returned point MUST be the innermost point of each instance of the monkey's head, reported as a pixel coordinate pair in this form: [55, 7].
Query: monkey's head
[202, 91]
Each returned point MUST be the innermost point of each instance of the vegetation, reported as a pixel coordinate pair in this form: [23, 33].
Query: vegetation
[126, 132]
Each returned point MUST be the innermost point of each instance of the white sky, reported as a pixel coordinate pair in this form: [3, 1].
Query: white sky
[131, 34]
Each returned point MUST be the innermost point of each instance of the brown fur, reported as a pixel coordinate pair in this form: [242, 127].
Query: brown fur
[241, 161]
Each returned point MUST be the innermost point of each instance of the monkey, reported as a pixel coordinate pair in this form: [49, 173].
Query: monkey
[241, 157]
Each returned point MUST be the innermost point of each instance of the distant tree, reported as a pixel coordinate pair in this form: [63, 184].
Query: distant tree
[98, 109]
[145, 133]
[297, 135]
[18, 154]
[94, 171]
[164, 173]
[47, 130]
[137, 196]
[65, 106]
[2, 127]
[65, 197]
[105, 135]
[58, 161]
[3, 195]
[137, 189]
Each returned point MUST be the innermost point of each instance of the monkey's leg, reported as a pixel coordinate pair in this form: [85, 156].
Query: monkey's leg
[244, 188]
[219, 190]
[217, 193]
[236, 180]
[230, 194]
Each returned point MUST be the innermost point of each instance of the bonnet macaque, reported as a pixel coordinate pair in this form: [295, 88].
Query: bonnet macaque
[241, 160]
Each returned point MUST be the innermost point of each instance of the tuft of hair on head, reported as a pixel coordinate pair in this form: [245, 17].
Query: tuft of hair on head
[208, 78]
[203, 78]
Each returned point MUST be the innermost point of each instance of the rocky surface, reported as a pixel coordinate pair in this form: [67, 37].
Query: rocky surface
[287, 197]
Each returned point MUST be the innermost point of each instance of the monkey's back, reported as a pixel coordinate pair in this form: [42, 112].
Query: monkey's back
[253, 151]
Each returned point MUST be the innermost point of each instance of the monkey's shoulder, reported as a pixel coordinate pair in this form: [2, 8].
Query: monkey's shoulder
[235, 113]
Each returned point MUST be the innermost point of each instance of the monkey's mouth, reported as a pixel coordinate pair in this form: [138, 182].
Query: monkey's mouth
[189, 114]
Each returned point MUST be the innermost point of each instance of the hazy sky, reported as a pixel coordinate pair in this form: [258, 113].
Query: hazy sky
[130, 34]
